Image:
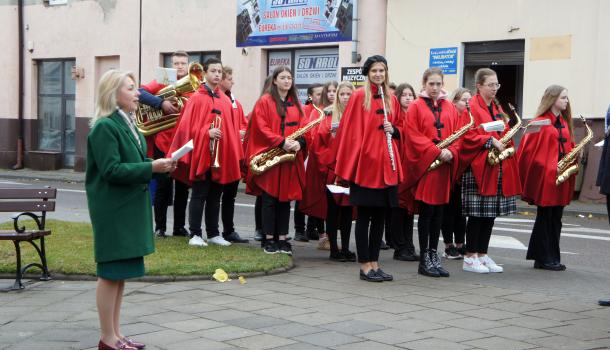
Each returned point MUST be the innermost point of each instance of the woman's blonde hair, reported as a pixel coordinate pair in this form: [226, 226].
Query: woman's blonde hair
[338, 108]
[457, 94]
[551, 94]
[386, 90]
[107, 89]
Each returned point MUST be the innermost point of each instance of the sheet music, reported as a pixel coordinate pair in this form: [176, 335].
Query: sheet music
[338, 189]
[182, 151]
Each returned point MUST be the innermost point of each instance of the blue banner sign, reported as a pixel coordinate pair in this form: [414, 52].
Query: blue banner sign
[444, 58]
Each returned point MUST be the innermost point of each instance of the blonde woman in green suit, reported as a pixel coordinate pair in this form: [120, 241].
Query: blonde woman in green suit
[117, 178]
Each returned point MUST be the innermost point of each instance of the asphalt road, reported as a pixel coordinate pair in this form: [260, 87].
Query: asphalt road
[585, 246]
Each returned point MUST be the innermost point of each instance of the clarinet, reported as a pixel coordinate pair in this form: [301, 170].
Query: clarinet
[388, 136]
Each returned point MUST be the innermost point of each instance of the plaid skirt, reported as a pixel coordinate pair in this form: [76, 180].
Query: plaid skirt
[473, 204]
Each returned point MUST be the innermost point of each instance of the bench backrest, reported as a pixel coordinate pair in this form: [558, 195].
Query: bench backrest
[24, 199]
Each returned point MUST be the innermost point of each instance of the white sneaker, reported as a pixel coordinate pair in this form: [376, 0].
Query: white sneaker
[490, 264]
[197, 241]
[474, 265]
[218, 240]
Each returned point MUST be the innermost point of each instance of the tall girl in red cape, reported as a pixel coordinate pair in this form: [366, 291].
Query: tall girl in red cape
[401, 219]
[364, 159]
[430, 119]
[276, 115]
[488, 191]
[538, 155]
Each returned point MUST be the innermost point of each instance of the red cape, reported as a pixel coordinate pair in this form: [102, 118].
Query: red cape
[285, 181]
[538, 156]
[314, 198]
[362, 150]
[431, 187]
[194, 123]
[474, 155]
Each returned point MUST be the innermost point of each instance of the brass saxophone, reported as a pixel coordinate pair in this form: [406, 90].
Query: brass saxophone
[568, 165]
[268, 159]
[449, 140]
[494, 156]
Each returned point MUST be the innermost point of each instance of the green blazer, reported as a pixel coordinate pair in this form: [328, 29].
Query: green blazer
[116, 182]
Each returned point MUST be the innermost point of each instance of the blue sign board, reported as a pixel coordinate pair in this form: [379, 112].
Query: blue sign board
[444, 58]
[281, 22]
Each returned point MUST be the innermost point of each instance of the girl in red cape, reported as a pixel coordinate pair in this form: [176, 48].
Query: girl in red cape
[453, 227]
[339, 212]
[430, 119]
[364, 160]
[204, 107]
[538, 155]
[401, 220]
[276, 115]
[488, 191]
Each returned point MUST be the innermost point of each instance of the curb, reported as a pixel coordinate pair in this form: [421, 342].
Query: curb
[18, 176]
[156, 279]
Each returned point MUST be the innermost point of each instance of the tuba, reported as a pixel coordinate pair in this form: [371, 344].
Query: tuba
[449, 140]
[568, 165]
[494, 157]
[268, 159]
[150, 120]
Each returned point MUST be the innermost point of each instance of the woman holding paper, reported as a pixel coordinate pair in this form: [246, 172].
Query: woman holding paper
[338, 210]
[116, 183]
[488, 191]
[368, 158]
[540, 150]
[430, 119]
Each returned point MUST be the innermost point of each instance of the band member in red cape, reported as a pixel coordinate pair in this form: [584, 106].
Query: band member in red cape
[276, 115]
[538, 155]
[158, 145]
[203, 111]
[338, 211]
[430, 119]
[229, 191]
[488, 191]
[453, 227]
[401, 218]
[314, 199]
[370, 161]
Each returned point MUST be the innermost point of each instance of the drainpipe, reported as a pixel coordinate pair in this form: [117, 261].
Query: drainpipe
[140, 48]
[20, 149]
[355, 55]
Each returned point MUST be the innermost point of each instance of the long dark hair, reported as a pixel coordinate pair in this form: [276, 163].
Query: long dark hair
[292, 93]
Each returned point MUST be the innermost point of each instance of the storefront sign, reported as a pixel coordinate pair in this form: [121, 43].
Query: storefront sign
[279, 58]
[353, 74]
[280, 22]
[444, 58]
[316, 66]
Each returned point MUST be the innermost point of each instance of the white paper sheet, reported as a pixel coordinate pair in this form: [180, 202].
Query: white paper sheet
[600, 144]
[534, 126]
[182, 151]
[338, 189]
[497, 125]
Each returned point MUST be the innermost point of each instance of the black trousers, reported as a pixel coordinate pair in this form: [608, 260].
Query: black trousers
[338, 217]
[227, 209]
[312, 222]
[388, 228]
[544, 242]
[258, 215]
[205, 194]
[276, 216]
[429, 226]
[478, 234]
[454, 224]
[167, 188]
[402, 230]
[369, 232]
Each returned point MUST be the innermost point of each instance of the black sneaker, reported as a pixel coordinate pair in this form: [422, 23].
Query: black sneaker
[349, 256]
[285, 247]
[271, 247]
[234, 237]
[337, 256]
[462, 250]
[181, 232]
[300, 237]
[160, 233]
[452, 253]
[384, 246]
[312, 235]
[258, 235]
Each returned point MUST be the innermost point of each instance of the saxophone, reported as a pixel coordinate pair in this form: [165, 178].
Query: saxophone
[449, 140]
[494, 156]
[268, 159]
[568, 165]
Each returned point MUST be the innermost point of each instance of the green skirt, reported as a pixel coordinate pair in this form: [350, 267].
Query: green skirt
[121, 269]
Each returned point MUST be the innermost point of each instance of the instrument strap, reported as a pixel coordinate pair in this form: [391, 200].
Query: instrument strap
[436, 111]
[561, 139]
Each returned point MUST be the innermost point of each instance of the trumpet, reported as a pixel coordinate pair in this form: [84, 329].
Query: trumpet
[215, 144]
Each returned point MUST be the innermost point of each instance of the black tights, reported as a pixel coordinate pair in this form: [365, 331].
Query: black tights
[368, 242]
[478, 234]
[341, 216]
[429, 226]
[454, 224]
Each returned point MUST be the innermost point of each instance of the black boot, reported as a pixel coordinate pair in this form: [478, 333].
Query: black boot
[436, 262]
[425, 265]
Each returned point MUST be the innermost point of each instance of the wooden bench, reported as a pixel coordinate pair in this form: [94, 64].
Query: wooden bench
[27, 202]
